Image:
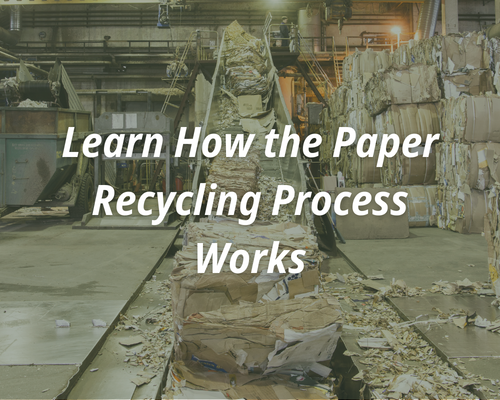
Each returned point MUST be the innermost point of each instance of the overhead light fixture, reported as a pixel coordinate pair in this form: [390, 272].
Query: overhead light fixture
[397, 31]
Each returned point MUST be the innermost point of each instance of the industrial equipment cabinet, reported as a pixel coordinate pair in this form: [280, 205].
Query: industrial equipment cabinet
[33, 171]
[129, 123]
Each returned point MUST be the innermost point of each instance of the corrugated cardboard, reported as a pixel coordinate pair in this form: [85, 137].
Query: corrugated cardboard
[244, 339]
[354, 227]
[404, 85]
[328, 183]
[422, 206]
[492, 235]
[419, 170]
[471, 119]
[472, 83]
[405, 120]
[249, 105]
[462, 211]
[475, 165]
[193, 292]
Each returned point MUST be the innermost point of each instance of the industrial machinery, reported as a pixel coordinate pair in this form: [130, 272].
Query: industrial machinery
[33, 171]
[293, 170]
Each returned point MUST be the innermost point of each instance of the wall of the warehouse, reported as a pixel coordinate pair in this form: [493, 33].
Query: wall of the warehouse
[474, 15]
[377, 18]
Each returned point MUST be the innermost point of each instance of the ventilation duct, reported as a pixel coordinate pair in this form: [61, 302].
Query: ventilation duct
[427, 19]
[15, 18]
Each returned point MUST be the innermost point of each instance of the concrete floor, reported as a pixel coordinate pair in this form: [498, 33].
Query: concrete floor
[113, 378]
[428, 255]
[49, 272]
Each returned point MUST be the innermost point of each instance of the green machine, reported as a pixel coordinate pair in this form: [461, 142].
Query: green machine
[33, 132]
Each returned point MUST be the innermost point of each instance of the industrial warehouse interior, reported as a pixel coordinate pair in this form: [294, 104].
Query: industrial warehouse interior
[281, 199]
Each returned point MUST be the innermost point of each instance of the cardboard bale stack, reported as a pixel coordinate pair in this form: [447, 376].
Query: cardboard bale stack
[422, 205]
[403, 85]
[245, 62]
[466, 70]
[463, 60]
[232, 327]
[233, 323]
[443, 84]
[382, 94]
[234, 174]
[462, 212]
[492, 235]
[235, 339]
[467, 161]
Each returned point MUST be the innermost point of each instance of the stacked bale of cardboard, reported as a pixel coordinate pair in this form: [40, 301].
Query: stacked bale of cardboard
[463, 62]
[492, 235]
[383, 94]
[463, 59]
[402, 100]
[232, 325]
[467, 167]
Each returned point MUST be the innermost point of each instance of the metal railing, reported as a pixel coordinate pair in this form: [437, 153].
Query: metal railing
[177, 71]
[208, 42]
[314, 66]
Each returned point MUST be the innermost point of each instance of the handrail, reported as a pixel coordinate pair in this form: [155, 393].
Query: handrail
[315, 65]
[177, 71]
[267, 25]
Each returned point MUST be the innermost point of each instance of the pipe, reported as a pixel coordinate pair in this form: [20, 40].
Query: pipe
[15, 18]
[12, 37]
[427, 19]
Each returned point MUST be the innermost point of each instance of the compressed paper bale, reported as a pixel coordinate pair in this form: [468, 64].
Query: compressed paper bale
[364, 170]
[466, 50]
[422, 205]
[471, 119]
[401, 56]
[405, 85]
[338, 100]
[402, 171]
[361, 121]
[244, 339]
[462, 212]
[354, 169]
[492, 235]
[383, 60]
[472, 83]
[404, 120]
[419, 170]
[366, 227]
[355, 96]
[493, 46]
[347, 68]
[473, 165]
[234, 174]
[452, 53]
[368, 62]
